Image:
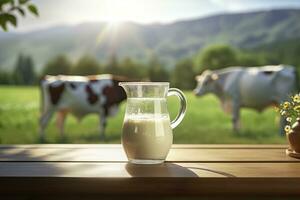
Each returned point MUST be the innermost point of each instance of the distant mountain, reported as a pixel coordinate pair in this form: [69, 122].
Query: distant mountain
[168, 41]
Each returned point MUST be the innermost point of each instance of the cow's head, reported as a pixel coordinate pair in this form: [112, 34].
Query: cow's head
[206, 83]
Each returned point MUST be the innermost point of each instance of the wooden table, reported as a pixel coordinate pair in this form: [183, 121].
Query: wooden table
[95, 170]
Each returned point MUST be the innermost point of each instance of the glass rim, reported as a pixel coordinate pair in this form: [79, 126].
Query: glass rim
[145, 83]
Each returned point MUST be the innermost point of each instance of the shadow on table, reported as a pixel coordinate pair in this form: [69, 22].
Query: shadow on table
[13, 153]
[160, 170]
[213, 171]
[168, 170]
[26, 162]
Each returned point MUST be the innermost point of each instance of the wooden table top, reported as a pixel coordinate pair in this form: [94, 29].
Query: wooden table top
[189, 170]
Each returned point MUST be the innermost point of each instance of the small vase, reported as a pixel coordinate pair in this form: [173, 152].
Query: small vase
[294, 136]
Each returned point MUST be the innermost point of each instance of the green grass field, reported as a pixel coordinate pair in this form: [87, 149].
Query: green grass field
[204, 122]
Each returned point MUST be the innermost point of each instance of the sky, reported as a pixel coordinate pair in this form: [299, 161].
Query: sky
[62, 12]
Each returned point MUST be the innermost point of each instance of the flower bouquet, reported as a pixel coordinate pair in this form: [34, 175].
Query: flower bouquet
[290, 110]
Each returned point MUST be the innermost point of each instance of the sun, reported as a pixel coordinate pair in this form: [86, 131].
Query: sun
[118, 11]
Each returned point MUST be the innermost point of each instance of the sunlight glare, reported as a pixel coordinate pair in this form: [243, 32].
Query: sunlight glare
[125, 10]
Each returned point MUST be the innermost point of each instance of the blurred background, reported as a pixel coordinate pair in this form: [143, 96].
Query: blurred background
[170, 40]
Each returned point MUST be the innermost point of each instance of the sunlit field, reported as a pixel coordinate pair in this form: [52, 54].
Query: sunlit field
[204, 122]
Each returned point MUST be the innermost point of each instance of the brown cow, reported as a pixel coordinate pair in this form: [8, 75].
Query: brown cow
[80, 95]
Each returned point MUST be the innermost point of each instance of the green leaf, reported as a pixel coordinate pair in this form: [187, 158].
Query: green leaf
[8, 18]
[12, 19]
[23, 1]
[21, 11]
[3, 22]
[3, 26]
[32, 8]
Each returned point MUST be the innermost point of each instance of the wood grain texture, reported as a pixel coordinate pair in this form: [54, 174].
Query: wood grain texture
[124, 170]
[115, 153]
[182, 186]
[203, 170]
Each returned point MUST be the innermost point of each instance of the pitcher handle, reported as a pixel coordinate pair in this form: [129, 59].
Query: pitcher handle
[180, 115]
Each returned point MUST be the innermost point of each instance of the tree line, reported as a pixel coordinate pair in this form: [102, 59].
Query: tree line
[181, 75]
[154, 70]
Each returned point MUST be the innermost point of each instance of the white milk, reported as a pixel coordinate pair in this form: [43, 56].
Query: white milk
[147, 137]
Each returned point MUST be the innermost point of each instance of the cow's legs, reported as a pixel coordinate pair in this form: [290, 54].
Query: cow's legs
[60, 121]
[44, 120]
[236, 117]
[102, 125]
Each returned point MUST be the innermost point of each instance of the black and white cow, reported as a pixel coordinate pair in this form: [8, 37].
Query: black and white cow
[253, 87]
[80, 95]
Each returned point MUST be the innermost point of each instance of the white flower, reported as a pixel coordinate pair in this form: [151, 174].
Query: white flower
[287, 128]
[289, 119]
[296, 98]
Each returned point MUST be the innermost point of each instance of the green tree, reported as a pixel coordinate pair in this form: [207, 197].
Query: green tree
[11, 9]
[246, 59]
[59, 65]
[5, 78]
[112, 66]
[132, 69]
[216, 57]
[24, 71]
[87, 65]
[156, 70]
[183, 75]
[253, 58]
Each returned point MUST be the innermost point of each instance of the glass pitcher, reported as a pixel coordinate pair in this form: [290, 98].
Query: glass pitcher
[147, 130]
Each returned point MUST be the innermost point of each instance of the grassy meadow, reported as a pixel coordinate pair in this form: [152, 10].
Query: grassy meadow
[204, 122]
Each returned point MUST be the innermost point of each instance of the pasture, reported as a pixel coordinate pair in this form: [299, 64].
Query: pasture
[204, 123]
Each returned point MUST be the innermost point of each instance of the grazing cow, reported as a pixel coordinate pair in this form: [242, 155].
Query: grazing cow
[80, 95]
[253, 87]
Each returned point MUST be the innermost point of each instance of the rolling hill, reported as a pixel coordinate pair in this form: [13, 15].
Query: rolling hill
[168, 41]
